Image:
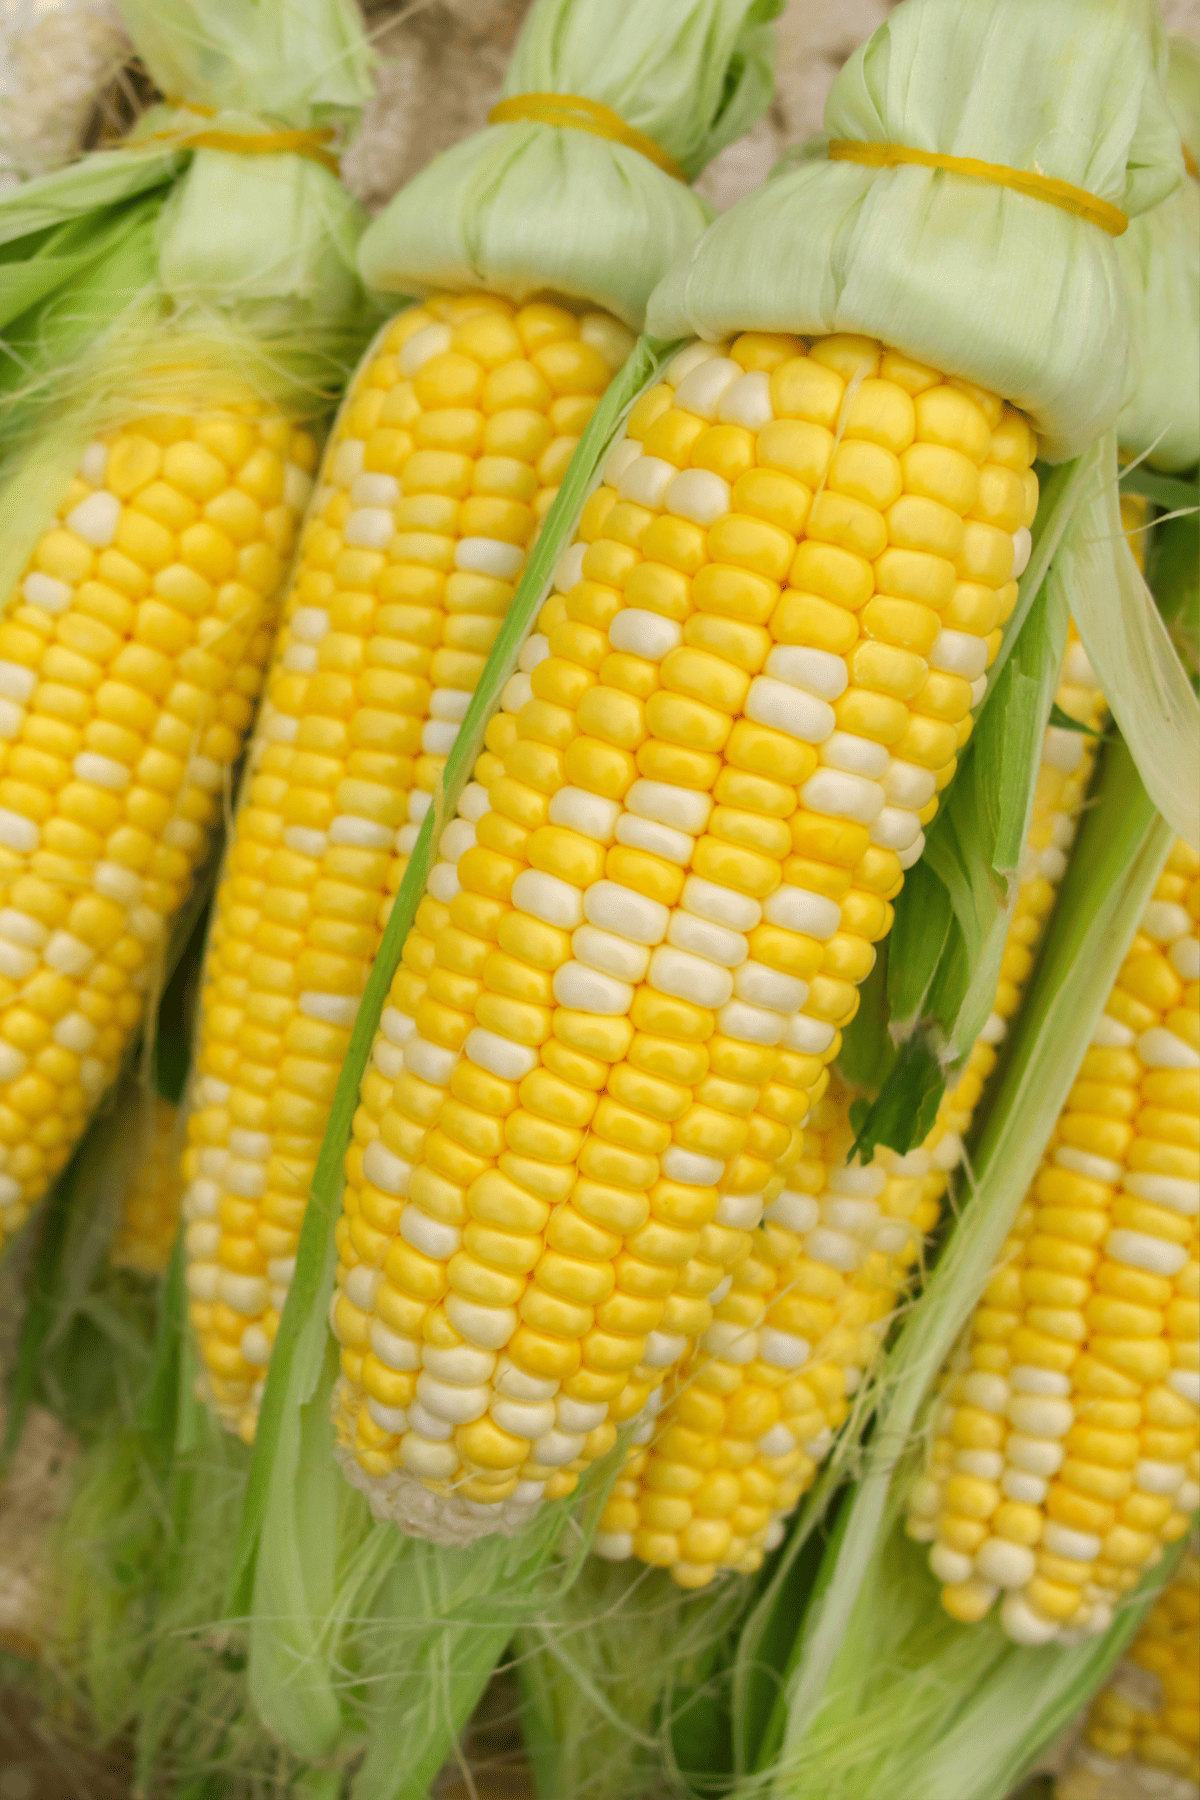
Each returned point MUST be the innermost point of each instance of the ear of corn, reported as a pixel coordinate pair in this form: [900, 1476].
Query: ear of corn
[1065, 1452]
[829, 1268]
[130, 660]
[657, 902]
[1143, 1730]
[446, 456]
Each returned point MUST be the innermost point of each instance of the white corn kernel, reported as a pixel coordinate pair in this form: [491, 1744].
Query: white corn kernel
[507, 1061]
[843, 796]
[788, 709]
[714, 942]
[747, 402]
[611, 954]
[659, 840]
[589, 814]
[795, 1212]
[1041, 1415]
[816, 672]
[459, 1364]
[430, 341]
[683, 809]
[584, 989]
[698, 495]
[644, 479]
[488, 556]
[614, 908]
[783, 1349]
[724, 906]
[690, 1166]
[691, 978]
[857, 755]
[751, 1024]
[701, 389]
[96, 519]
[647, 634]
[546, 897]
[1137, 1250]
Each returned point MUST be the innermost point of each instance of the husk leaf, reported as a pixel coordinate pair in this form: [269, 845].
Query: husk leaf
[1136, 663]
[1159, 259]
[977, 280]
[524, 208]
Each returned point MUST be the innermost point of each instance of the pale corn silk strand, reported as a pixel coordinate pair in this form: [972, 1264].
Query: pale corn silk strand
[1143, 1729]
[1063, 1450]
[831, 1266]
[652, 913]
[455, 434]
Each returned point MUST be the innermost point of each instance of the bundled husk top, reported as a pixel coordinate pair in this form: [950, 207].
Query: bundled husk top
[1009, 291]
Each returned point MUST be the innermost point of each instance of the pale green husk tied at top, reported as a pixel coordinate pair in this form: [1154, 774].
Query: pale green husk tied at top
[240, 262]
[527, 208]
[982, 282]
[1159, 257]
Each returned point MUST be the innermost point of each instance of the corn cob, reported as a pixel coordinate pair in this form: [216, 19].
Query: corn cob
[828, 1269]
[150, 1211]
[682, 840]
[1143, 1731]
[447, 454]
[1065, 1449]
[131, 655]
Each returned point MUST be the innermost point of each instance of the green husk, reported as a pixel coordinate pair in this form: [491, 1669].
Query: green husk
[955, 1712]
[526, 208]
[1136, 663]
[353, 1627]
[832, 1665]
[1013, 293]
[1159, 259]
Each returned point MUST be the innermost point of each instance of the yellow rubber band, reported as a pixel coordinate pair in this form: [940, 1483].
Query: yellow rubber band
[1022, 181]
[308, 144]
[577, 113]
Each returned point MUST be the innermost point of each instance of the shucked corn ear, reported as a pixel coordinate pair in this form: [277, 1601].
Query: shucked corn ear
[447, 453]
[753, 1408]
[131, 655]
[149, 1220]
[1064, 1449]
[1143, 1731]
[652, 913]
